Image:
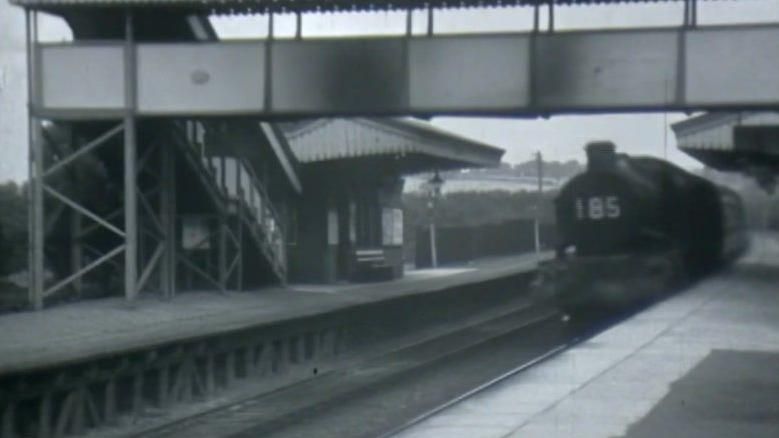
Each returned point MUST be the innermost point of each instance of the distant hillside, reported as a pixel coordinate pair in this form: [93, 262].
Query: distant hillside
[551, 169]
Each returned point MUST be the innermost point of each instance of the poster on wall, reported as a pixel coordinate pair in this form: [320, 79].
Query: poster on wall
[397, 223]
[195, 234]
[332, 227]
[386, 226]
[392, 226]
[352, 222]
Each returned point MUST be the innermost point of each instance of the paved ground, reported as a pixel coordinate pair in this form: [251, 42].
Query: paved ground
[410, 276]
[99, 327]
[704, 363]
[729, 394]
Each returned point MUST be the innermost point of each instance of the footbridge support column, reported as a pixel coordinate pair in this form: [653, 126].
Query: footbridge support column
[130, 166]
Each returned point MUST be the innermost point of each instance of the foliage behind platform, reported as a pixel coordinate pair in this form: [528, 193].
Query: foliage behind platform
[13, 228]
[463, 244]
[495, 213]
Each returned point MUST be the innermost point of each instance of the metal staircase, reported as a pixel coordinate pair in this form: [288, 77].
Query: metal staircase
[235, 188]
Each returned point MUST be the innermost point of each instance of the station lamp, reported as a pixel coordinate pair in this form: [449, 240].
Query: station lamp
[434, 186]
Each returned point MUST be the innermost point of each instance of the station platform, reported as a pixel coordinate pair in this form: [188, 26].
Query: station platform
[704, 363]
[101, 328]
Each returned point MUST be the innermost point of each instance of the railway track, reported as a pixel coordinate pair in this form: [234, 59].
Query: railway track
[577, 332]
[481, 388]
[374, 396]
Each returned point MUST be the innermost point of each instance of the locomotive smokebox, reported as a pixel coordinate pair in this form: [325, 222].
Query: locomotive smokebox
[601, 155]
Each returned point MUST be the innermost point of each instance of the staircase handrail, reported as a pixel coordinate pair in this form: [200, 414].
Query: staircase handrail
[264, 196]
[277, 247]
[255, 184]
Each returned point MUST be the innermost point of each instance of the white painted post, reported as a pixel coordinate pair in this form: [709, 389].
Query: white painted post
[537, 219]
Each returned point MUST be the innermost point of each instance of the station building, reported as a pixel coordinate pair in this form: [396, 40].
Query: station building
[348, 223]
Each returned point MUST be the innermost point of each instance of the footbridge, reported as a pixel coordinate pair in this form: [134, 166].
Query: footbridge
[162, 58]
[511, 74]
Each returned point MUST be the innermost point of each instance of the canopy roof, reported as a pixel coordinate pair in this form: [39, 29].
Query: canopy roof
[416, 146]
[709, 138]
[260, 6]
[714, 131]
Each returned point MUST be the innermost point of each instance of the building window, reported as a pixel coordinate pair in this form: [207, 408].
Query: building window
[392, 226]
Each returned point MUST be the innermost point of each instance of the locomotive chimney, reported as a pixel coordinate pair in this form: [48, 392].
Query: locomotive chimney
[601, 155]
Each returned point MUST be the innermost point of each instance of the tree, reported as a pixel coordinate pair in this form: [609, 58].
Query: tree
[13, 228]
[472, 209]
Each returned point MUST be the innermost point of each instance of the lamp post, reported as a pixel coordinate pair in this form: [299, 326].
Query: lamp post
[434, 192]
[537, 215]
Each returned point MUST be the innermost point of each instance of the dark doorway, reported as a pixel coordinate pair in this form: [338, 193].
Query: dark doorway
[345, 245]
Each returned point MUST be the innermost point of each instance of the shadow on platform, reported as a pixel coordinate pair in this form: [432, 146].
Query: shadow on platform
[729, 394]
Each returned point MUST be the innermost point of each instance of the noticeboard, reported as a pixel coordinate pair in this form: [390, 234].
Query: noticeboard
[195, 234]
[352, 222]
[332, 227]
[392, 226]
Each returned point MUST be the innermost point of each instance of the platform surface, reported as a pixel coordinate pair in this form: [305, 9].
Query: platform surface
[75, 331]
[704, 363]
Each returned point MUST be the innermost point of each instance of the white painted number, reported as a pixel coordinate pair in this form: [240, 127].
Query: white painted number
[612, 207]
[595, 208]
[598, 207]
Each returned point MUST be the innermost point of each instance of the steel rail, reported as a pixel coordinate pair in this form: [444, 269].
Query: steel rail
[578, 338]
[176, 426]
[481, 388]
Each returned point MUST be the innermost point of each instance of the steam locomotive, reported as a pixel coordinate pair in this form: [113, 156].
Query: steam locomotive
[630, 227]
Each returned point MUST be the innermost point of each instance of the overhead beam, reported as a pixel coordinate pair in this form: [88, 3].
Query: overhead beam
[499, 74]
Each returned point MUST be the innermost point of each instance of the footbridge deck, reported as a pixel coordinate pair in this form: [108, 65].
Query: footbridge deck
[481, 74]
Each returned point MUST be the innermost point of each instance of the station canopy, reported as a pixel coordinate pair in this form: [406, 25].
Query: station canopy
[412, 146]
[307, 6]
[745, 142]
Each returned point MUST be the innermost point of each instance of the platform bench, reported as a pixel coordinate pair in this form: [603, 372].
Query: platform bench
[371, 265]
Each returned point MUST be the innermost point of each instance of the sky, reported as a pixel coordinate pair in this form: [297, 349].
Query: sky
[558, 138]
